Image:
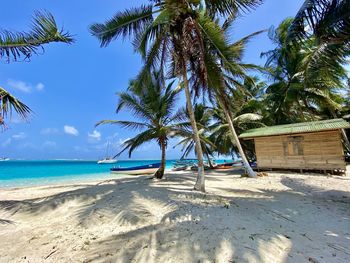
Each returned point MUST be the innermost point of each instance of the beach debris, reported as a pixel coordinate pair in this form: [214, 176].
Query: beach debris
[312, 260]
[51, 253]
[262, 174]
[226, 205]
[281, 216]
[304, 235]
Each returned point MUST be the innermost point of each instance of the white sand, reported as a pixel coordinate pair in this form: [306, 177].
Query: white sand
[279, 218]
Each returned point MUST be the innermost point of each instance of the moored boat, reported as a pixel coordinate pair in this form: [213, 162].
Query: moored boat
[137, 170]
[179, 168]
[107, 161]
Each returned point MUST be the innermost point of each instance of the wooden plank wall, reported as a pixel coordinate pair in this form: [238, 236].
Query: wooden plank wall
[321, 151]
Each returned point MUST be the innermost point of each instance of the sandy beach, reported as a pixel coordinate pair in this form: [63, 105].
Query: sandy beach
[279, 218]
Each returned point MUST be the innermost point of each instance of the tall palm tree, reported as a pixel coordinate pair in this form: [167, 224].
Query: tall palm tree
[226, 73]
[22, 45]
[154, 105]
[298, 93]
[171, 33]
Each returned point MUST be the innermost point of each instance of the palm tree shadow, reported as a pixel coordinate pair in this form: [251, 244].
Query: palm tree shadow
[6, 222]
[167, 221]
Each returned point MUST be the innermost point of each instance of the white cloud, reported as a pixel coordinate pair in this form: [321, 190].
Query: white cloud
[48, 131]
[19, 85]
[25, 87]
[40, 86]
[70, 130]
[19, 136]
[95, 136]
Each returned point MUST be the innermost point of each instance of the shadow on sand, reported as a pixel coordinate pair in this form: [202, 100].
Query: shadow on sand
[166, 221]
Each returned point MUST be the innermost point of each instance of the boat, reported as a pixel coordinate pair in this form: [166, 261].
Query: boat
[225, 165]
[179, 168]
[3, 159]
[137, 170]
[107, 159]
[195, 167]
[182, 164]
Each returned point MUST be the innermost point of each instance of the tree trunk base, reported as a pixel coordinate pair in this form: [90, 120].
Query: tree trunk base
[159, 174]
[200, 184]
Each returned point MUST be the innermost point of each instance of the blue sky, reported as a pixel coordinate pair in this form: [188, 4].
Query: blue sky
[71, 87]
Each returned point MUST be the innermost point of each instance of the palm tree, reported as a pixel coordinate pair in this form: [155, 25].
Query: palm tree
[221, 135]
[155, 106]
[183, 129]
[226, 74]
[298, 93]
[17, 45]
[171, 34]
[328, 23]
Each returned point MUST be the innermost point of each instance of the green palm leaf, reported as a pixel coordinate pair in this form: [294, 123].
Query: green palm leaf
[126, 23]
[14, 45]
[8, 103]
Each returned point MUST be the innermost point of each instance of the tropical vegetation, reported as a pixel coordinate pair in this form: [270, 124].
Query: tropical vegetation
[304, 77]
[172, 35]
[155, 106]
[21, 46]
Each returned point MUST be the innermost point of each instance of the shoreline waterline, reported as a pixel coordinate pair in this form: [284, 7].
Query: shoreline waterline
[31, 173]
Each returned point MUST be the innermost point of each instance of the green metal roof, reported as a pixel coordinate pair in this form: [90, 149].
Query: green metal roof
[314, 126]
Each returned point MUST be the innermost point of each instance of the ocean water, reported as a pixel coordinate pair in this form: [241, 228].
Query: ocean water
[15, 173]
[35, 173]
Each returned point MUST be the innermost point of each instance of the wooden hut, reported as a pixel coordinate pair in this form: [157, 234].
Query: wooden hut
[310, 145]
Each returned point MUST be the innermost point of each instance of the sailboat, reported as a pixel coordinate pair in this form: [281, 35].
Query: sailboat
[107, 159]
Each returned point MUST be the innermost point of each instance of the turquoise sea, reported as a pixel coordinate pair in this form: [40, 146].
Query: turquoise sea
[33, 173]
[22, 173]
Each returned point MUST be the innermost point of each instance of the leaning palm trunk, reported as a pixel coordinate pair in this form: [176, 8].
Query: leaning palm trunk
[200, 184]
[160, 173]
[235, 139]
[345, 137]
[209, 161]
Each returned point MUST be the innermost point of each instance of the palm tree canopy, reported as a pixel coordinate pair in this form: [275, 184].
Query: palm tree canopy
[163, 30]
[328, 22]
[154, 106]
[184, 130]
[15, 45]
[9, 103]
[298, 90]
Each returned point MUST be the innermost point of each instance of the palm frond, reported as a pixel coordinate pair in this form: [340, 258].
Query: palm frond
[132, 125]
[229, 7]
[126, 23]
[14, 45]
[8, 103]
[137, 141]
[247, 117]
